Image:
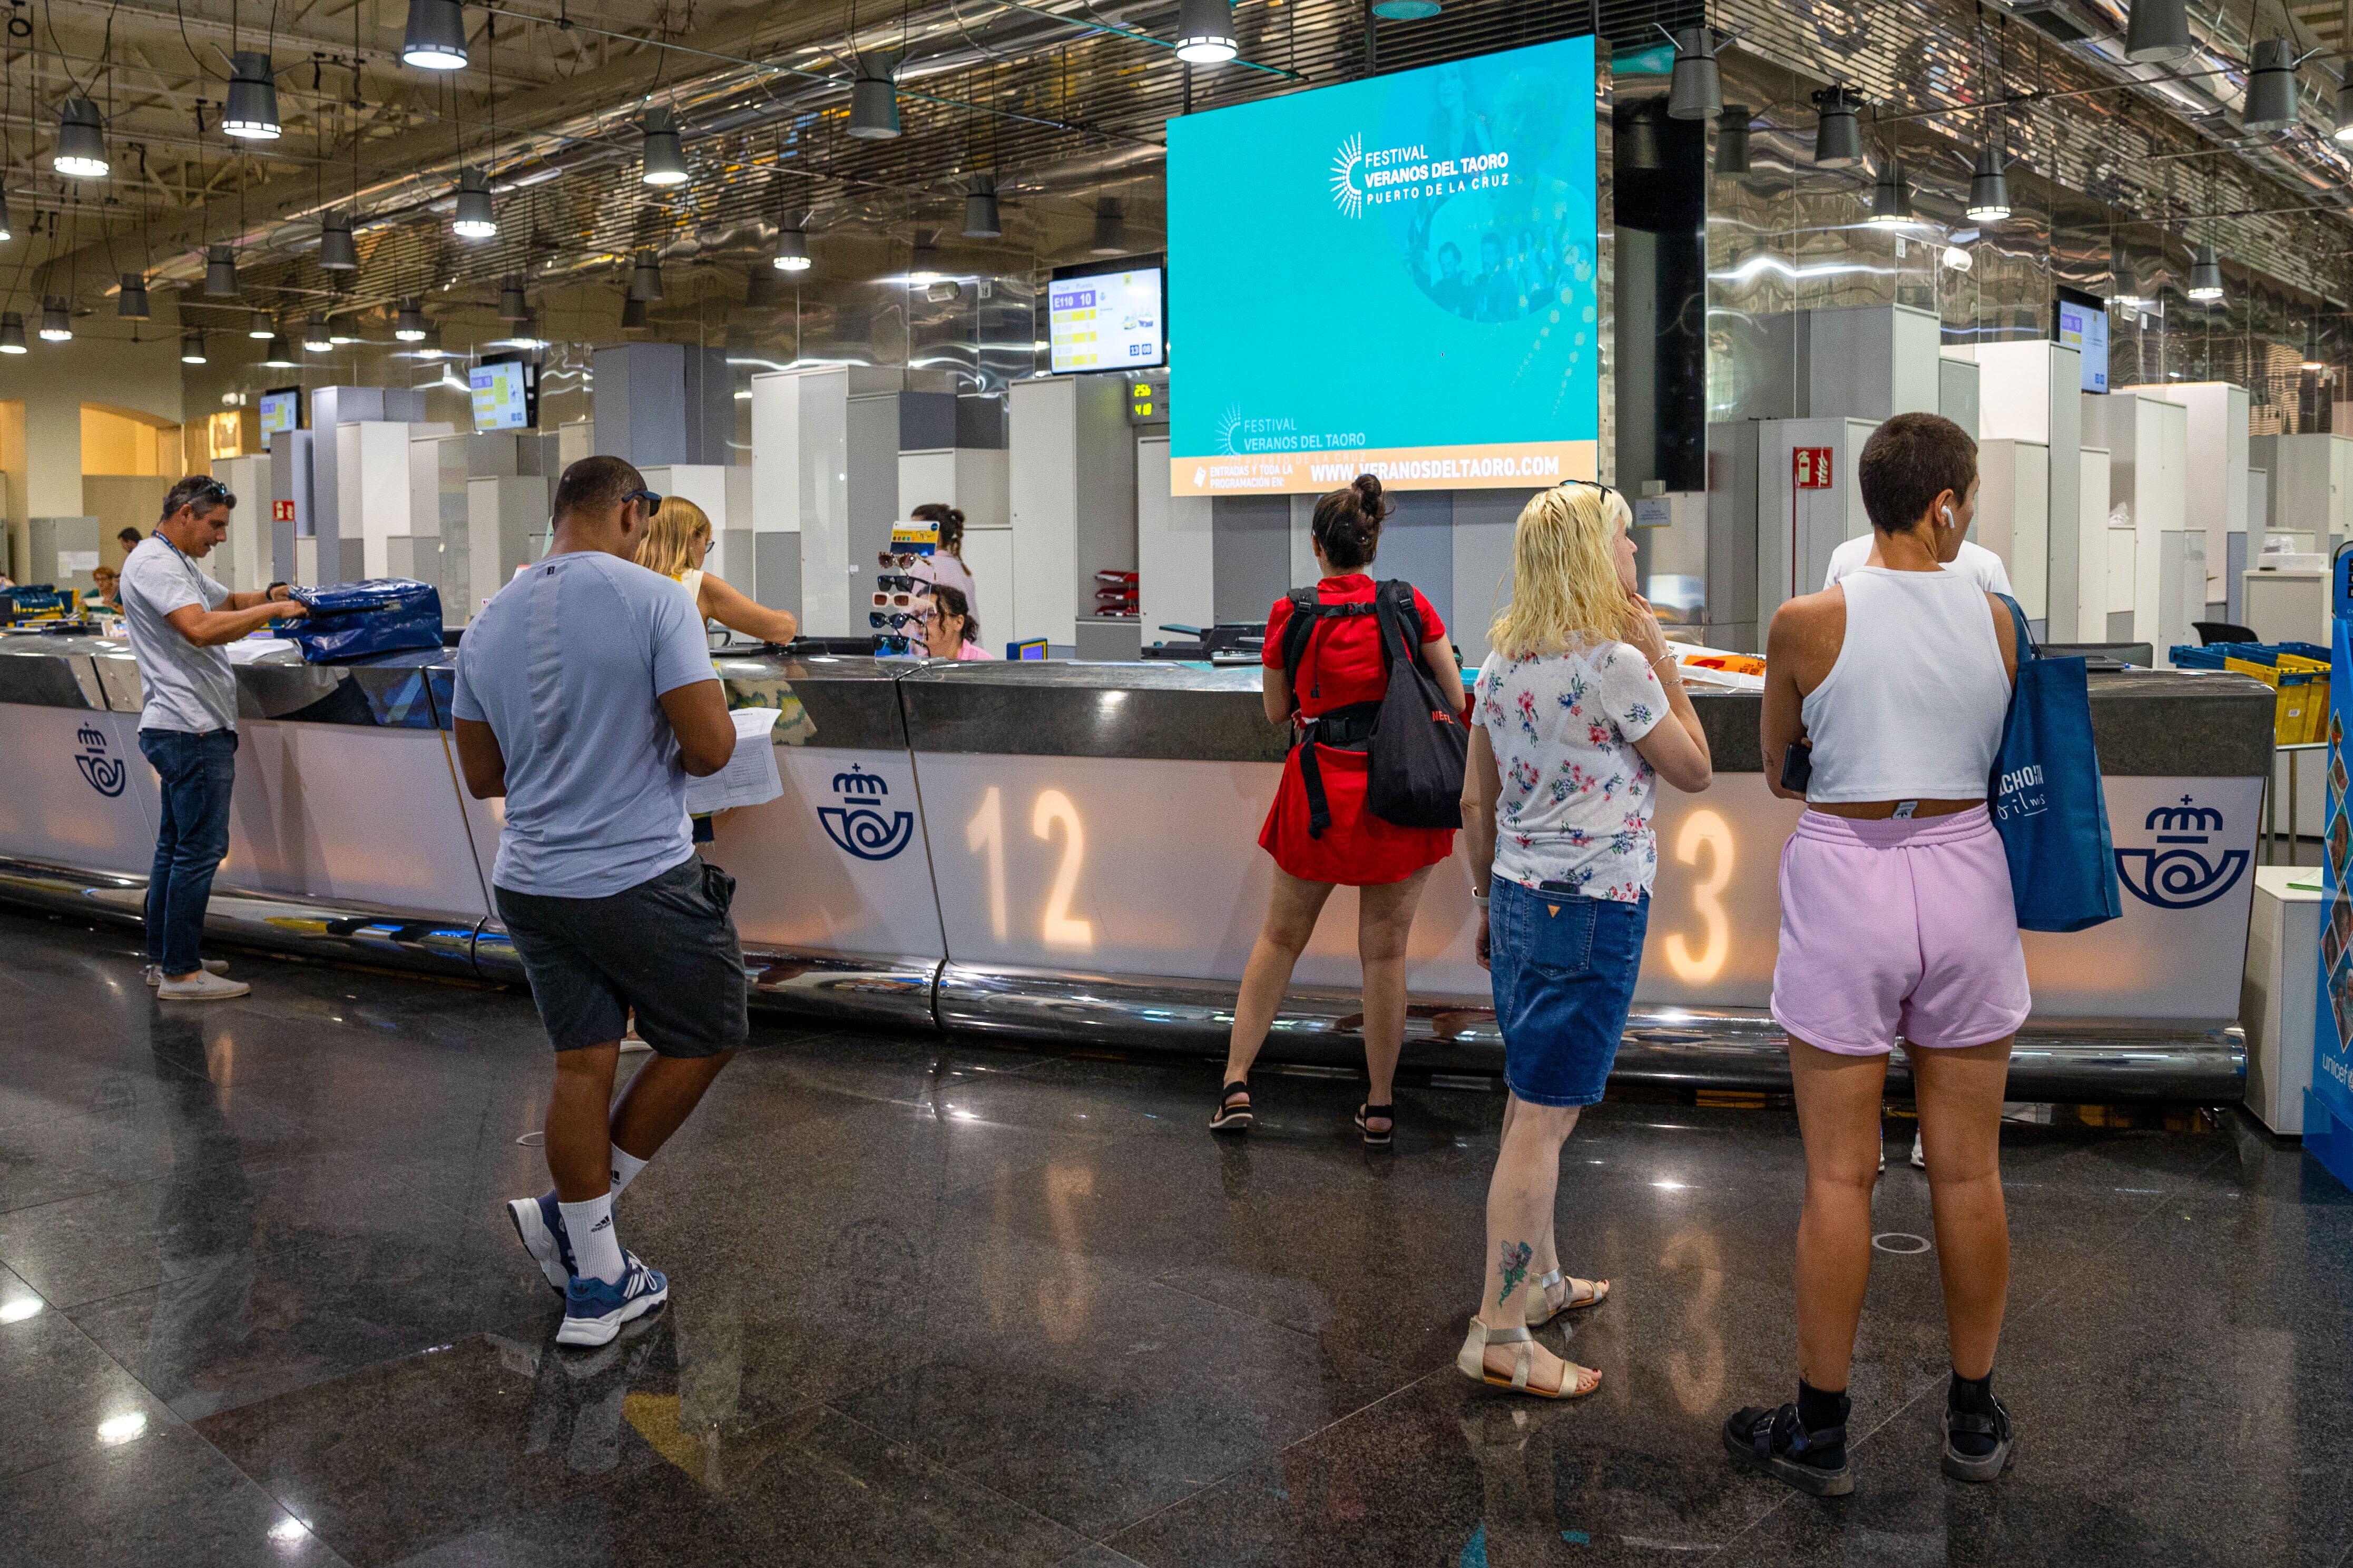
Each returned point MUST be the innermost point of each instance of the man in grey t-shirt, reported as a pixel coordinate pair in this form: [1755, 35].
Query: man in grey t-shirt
[585, 696]
[179, 621]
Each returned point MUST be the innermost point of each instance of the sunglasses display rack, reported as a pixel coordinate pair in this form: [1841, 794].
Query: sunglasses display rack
[902, 602]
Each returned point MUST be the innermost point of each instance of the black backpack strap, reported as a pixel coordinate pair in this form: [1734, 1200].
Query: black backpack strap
[1401, 622]
[1295, 633]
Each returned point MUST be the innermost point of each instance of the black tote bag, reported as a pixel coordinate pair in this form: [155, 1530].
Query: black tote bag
[1414, 778]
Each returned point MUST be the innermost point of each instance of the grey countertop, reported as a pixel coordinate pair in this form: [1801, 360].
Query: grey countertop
[2149, 722]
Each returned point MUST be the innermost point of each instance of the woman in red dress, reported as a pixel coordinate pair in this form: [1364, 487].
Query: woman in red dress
[1340, 669]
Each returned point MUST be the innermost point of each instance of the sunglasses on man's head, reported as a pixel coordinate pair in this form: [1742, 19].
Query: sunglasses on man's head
[653, 502]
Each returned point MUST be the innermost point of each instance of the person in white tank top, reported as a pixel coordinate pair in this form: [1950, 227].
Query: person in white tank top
[1896, 921]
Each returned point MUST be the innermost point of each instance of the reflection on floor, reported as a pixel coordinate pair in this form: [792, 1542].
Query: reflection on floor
[953, 1304]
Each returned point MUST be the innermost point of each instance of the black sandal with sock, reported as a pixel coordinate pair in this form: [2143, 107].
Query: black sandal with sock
[1777, 1443]
[1230, 1117]
[1976, 1430]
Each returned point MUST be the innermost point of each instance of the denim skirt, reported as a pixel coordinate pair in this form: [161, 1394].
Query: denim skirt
[1564, 968]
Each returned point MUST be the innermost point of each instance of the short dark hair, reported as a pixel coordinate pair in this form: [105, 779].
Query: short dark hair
[1908, 462]
[200, 490]
[595, 485]
[132, 534]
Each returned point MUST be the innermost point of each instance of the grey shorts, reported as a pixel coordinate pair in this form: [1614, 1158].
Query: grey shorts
[665, 947]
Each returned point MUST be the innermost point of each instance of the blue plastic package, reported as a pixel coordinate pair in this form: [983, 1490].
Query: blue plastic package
[355, 620]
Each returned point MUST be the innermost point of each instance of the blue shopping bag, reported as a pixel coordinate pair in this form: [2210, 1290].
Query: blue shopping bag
[354, 620]
[2045, 793]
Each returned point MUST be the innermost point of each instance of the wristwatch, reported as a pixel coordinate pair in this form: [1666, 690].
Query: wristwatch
[270, 592]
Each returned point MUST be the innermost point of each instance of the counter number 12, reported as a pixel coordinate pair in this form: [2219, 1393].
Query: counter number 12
[984, 835]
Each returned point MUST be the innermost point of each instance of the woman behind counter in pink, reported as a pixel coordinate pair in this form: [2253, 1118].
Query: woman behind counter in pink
[951, 630]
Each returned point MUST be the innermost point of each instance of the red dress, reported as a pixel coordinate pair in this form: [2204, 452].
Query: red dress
[1342, 665]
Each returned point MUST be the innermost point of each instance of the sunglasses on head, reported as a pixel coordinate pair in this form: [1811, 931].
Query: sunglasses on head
[653, 502]
[210, 492]
[1589, 484]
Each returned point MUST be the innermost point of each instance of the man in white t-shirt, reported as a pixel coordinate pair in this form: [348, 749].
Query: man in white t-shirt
[1975, 562]
[179, 621]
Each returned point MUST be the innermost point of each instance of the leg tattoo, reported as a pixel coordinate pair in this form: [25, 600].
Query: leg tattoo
[1513, 1265]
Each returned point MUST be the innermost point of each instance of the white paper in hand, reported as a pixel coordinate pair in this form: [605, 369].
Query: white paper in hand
[750, 776]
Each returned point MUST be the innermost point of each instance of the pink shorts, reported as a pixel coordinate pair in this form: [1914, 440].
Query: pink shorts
[1901, 927]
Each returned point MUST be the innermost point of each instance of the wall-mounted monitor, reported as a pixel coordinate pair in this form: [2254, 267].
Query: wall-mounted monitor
[2080, 321]
[506, 393]
[1397, 275]
[1108, 315]
[281, 409]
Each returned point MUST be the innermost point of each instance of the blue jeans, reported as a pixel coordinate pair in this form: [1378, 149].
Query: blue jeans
[1564, 970]
[197, 772]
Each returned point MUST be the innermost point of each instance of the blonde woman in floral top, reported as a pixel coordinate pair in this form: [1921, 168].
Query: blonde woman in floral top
[1580, 712]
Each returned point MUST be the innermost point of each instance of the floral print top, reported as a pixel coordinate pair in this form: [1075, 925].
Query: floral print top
[1577, 801]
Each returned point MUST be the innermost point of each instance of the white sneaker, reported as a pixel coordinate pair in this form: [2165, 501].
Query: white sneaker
[1919, 1153]
[202, 986]
[212, 966]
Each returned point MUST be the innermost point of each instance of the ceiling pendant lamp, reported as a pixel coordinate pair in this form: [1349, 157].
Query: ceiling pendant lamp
[2124, 292]
[259, 328]
[526, 333]
[633, 314]
[792, 250]
[436, 40]
[220, 272]
[409, 325]
[665, 158]
[874, 99]
[1838, 144]
[645, 278]
[2206, 276]
[12, 334]
[1110, 237]
[2157, 31]
[132, 303]
[1696, 90]
[279, 356]
[341, 333]
[192, 345]
[314, 335]
[252, 113]
[431, 346]
[1732, 140]
[1641, 149]
[473, 219]
[1205, 32]
[336, 251]
[56, 324]
[82, 142]
[2271, 86]
[1988, 187]
[510, 301]
[1891, 198]
[981, 220]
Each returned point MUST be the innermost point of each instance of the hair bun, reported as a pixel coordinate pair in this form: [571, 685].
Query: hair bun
[1369, 495]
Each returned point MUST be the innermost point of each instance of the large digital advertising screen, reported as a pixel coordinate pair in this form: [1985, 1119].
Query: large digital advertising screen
[1107, 316]
[1397, 275]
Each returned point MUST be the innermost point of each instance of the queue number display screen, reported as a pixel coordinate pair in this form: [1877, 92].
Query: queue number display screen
[502, 401]
[1108, 319]
[281, 409]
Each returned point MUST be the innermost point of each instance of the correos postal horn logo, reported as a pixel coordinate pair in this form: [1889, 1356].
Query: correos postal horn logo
[106, 774]
[857, 826]
[2178, 874]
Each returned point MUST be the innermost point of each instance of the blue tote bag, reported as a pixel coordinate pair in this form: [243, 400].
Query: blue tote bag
[353, 620]
[2046, 798]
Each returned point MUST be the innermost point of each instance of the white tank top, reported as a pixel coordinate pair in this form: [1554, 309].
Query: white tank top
[1912, 707]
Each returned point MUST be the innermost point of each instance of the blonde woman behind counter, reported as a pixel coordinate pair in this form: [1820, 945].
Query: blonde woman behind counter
[675, 546]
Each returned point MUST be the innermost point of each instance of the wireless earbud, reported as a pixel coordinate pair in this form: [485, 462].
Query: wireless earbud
[1948, 516]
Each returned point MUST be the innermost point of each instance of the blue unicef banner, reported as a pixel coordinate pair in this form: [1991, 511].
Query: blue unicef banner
[1396, 276]
[2328, 1104]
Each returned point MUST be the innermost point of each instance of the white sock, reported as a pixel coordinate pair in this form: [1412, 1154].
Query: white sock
[595, 1250]
[626, 1167]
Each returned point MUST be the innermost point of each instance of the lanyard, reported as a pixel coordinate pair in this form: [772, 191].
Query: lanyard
[196, 572]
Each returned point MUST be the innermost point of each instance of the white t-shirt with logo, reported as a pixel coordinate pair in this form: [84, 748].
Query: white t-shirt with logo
[1576, 796]
[189, 688]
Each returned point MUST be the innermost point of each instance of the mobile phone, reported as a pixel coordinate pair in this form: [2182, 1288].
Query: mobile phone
[1797, 767]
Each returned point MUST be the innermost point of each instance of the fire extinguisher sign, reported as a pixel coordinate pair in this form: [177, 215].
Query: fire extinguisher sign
[1810, 468]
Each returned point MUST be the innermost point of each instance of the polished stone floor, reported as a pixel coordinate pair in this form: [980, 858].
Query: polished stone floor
[947, 1303]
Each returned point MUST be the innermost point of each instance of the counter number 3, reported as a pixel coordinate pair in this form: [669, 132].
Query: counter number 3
[985, 834]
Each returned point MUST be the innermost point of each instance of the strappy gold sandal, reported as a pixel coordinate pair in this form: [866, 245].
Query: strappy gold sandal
[1581, 1293]
[1472, 1363]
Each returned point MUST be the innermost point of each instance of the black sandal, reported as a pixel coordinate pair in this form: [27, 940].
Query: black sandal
[1376, 1139]
[1775, 1443]
[1984, 1426]
[1230, 1117]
